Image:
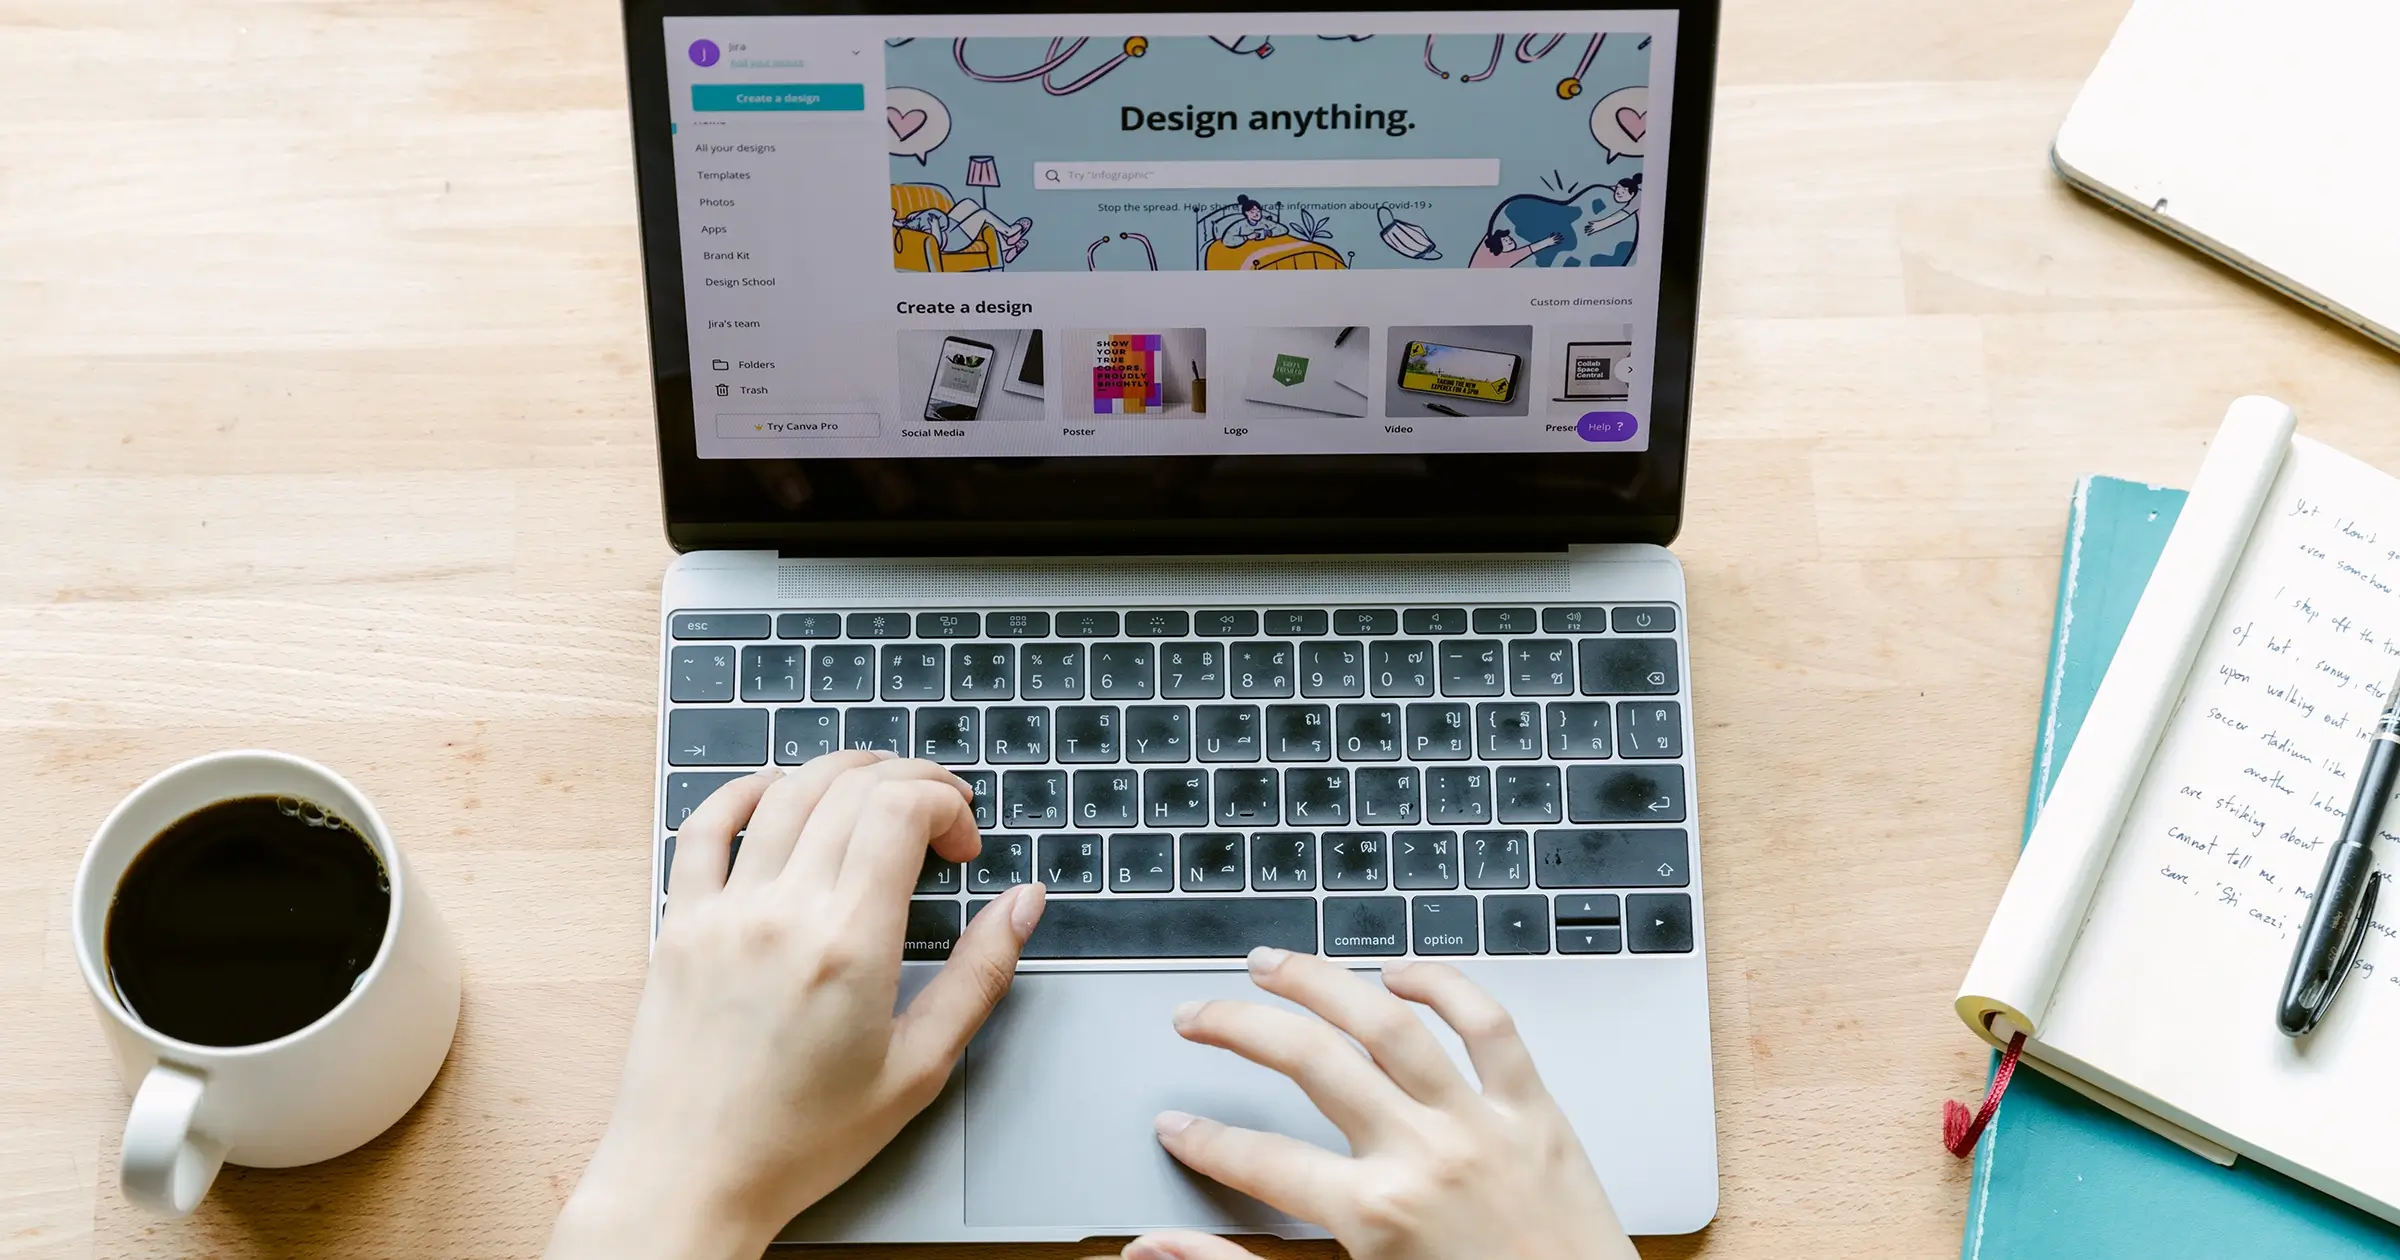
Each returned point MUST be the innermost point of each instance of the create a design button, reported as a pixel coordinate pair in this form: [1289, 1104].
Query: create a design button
[804, 97]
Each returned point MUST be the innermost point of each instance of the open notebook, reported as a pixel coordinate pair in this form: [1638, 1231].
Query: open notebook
[2143, 939]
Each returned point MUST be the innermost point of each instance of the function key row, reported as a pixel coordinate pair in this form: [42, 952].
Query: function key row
[1173, 623]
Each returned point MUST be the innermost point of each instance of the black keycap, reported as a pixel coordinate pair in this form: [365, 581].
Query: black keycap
[877, 625]
[1504, 621]
[1050, 671]
[1439, 732]
[1158, 732]
[1587, 910]
[1247, 798]
[1388, 796]
[938, 878]
[1644, 794]
[1357, 861]
[912, 672]
[1574, 620]
[1212, 861]
[1442, 925]
[1299, 732]
[1424, 859]
[886, 729]
[1174, 927]
[700, 674]
[1191, 671]
[1124, 671]
[1650, 728]
[1261, 670]
[802, 735]
[1433, 620]
[982, 672]
[1141, 862]
[666, 865]
[1458, 794]
[1107, 798]
[1516, 925]
[932, 931]
[1643, 619]
[1293, 622]
[1583, 858]
[846, 672]
[708, 625]
[1086, 733]
[1401, 668]
[808, 626]
[1365, 927]
[1495, 859]
[686, 790]
[1227, 732]
[1033, 798]
[716, 737]
[1087, 625]
[1356, 621]
[1590, 940]
[775, 673]
[1526, 794]
[1071, 863]
[948, 736]
[949, 625]
[1332, 669]
[1152, 624]
[984, 786]
[1473, 667]
[1366, 732]
[1283, 861]
[1017, 625]
[1225, 623]
[1508, 731]
[1578, 730]
[1006, 861]
[1658, 923]
[1175, 798]
[1316, 798]
[1541, 667]
[1016, 736]
[1628, 667]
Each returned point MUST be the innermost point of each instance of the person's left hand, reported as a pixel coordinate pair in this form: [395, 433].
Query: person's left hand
[766, 1064]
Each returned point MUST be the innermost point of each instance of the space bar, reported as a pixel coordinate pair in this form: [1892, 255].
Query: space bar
[1171, 927]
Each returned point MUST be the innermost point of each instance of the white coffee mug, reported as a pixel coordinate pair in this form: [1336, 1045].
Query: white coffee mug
[309, 1095]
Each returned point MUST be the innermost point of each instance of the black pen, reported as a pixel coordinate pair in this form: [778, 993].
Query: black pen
[2338, 916]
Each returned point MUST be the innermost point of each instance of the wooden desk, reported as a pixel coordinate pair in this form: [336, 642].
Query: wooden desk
[325, 425]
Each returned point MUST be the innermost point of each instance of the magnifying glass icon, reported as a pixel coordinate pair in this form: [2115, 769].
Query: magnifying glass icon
[1051, 176]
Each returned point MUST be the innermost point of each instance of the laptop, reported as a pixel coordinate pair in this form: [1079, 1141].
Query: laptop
[1379, 686]
[2187, 84]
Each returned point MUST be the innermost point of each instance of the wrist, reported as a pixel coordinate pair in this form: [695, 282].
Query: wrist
[669, 1209]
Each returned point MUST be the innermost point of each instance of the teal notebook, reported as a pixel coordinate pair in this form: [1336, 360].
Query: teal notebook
[2058, 1175]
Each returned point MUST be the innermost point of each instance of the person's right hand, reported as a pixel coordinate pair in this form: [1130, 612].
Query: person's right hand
[1438, 1169]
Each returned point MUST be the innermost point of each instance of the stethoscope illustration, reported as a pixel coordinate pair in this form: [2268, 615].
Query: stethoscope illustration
[1091, 257]
[1568, 88]
[1061, 52]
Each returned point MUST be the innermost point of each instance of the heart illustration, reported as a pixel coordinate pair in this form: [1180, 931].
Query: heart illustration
[1632, 120]
[907, 122]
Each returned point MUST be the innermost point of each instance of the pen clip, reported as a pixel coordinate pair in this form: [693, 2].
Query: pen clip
[2358, 938]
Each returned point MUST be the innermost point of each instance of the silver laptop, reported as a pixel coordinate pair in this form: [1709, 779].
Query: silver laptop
[1407, 684]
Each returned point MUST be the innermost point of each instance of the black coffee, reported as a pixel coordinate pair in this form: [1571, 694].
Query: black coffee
[246, 920]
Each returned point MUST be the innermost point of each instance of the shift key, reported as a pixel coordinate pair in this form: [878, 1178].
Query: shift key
[1575, 857]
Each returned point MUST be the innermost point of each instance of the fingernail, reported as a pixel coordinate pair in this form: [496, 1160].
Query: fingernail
[1149, 1249]
[1267, 958]
[1170, 1123]
[1394, 969]
[883, 754]
[1026, 910]
[1184, 1013]
[769, 775]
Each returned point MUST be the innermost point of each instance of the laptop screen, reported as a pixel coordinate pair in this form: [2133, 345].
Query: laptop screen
[1370, 238]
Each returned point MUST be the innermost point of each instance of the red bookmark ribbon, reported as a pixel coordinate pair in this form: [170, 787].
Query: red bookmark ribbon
[1960, 1130]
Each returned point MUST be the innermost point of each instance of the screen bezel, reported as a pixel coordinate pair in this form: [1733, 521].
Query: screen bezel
[1087, 505]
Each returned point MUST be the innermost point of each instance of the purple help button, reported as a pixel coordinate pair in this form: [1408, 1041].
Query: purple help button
[1607, 426]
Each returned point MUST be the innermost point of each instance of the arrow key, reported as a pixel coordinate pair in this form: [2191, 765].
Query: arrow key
[1658, 923]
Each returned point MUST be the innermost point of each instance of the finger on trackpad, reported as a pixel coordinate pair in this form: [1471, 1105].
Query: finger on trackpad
[1061, 1089]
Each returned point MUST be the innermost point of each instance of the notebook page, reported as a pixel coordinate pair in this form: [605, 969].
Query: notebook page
[2172, 986]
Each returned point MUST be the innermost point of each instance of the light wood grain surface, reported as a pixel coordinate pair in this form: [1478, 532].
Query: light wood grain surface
[325, 426]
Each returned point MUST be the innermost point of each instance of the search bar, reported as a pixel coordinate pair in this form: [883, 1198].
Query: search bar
[1245, 173]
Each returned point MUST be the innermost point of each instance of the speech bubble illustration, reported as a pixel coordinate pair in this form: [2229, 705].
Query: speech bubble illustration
[1621, 120]
[916, 122]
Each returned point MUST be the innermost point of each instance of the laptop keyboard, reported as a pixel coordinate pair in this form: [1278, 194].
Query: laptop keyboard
[1190, 783]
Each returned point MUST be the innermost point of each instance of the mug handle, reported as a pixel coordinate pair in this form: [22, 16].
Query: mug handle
[164, 1166]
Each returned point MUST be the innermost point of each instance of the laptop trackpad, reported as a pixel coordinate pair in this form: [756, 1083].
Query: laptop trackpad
[1061, 1088]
